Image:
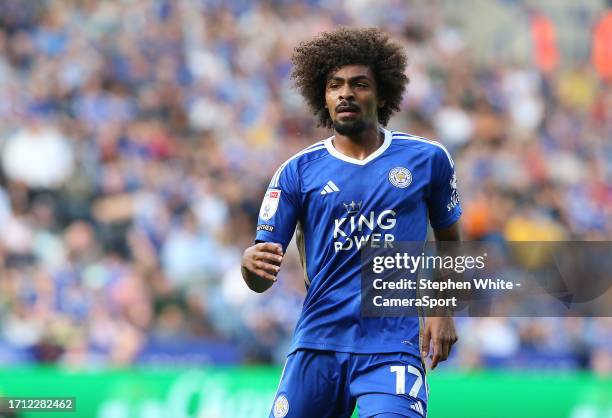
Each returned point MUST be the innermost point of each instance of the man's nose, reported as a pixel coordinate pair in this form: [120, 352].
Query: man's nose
[346, 93]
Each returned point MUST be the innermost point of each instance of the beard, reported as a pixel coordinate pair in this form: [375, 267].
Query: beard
[349, 128]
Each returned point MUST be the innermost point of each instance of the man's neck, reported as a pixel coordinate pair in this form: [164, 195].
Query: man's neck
[359, 146]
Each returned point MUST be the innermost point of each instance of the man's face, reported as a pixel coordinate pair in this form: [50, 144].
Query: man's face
[351, 99]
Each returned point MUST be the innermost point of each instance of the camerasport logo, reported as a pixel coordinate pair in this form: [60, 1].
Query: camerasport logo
[270, 204]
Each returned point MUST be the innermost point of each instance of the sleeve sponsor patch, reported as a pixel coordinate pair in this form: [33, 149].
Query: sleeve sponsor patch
[270, 204]
[269, 228]
[454, 201]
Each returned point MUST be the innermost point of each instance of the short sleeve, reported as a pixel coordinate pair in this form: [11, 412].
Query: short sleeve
[443, 203]
[280, 207]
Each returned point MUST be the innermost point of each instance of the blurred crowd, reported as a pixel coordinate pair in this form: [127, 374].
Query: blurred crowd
[137, 138]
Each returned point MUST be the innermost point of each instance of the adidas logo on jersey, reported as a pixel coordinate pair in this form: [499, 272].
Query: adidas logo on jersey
[330, 187]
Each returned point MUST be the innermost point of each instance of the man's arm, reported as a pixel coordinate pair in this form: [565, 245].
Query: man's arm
[260, 265]
[452, 233]
[439, 333]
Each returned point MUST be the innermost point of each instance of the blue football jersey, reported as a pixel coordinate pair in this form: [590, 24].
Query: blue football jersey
[337, 205]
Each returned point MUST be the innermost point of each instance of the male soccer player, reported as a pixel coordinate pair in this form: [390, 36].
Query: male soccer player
[363, 186]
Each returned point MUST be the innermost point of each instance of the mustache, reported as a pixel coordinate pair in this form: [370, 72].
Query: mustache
[347, 107]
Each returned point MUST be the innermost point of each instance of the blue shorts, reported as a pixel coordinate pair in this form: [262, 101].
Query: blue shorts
[328, 384]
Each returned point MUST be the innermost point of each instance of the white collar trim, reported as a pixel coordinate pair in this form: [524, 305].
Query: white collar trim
[333, 151]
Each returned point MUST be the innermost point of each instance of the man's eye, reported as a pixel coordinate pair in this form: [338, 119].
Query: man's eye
[362, 85]
[333, 86]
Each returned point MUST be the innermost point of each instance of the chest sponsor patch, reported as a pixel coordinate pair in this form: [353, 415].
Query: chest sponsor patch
[270, 204]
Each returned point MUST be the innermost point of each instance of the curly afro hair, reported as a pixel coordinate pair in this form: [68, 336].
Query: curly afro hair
[315, 59]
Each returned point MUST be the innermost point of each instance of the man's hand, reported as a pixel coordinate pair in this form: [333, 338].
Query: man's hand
[260, 265]
[441, 332]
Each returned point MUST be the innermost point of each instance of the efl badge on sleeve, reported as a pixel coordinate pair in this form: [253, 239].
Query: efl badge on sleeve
[270, 204]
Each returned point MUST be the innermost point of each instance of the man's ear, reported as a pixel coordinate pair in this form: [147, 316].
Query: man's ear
[381, 103]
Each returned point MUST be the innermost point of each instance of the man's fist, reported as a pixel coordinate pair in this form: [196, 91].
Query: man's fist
[260, 265]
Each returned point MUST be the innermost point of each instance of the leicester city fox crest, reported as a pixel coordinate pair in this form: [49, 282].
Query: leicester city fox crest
[400, 177]
[281, 407]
